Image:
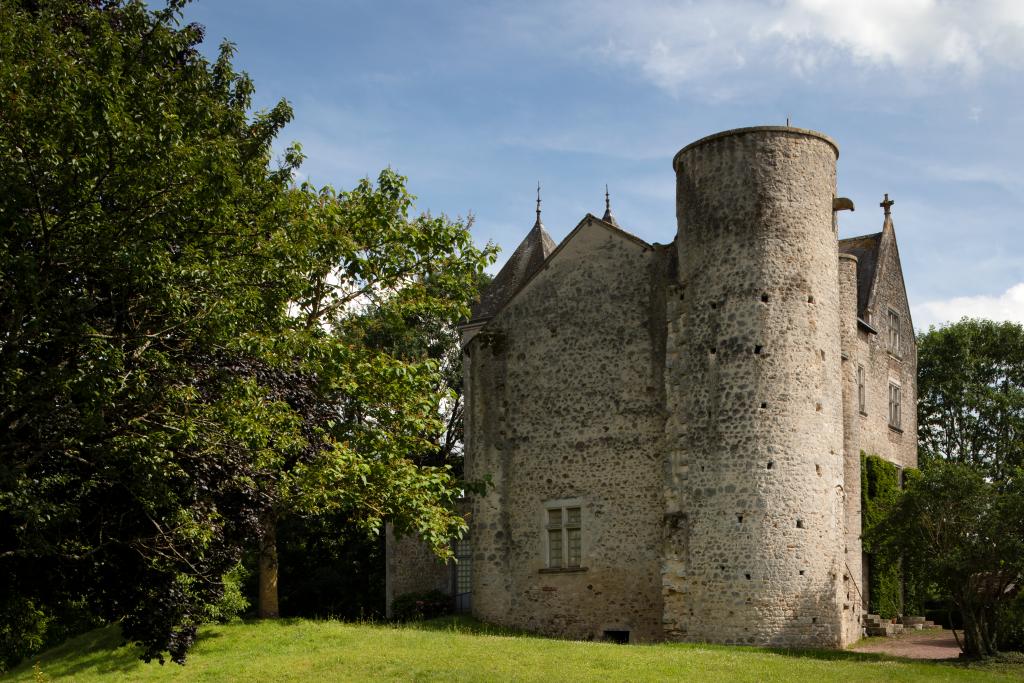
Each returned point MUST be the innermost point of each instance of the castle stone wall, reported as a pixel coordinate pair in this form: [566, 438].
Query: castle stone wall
[872, 351]
[412, 568]
[854, 597]
[869, 431]
[565, 397]
[698, 402]
[755, 439]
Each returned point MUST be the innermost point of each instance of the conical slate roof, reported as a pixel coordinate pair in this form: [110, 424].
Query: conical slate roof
[526, 260]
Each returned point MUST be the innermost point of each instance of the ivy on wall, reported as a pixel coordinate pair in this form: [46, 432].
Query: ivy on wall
[880, 488]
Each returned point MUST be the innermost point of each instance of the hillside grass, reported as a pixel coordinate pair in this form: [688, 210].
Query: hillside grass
[463, 650]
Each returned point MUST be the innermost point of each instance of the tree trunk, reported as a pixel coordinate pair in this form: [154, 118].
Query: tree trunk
[976, 640]
[268, 569]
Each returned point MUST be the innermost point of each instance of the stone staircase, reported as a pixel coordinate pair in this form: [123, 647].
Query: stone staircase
[874, 625]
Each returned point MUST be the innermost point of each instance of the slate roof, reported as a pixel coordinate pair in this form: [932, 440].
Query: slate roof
[866, 248]
[526, 260]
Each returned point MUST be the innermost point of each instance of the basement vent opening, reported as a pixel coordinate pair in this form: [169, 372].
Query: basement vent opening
[739, 518]
[764, 405]
[799, 524]
[713, 305]
[764, 298]
[770, 464]
[617, 637]
[757, 349]
[748, 577]
[810, 299]
[712, 350]
[817, 470]
[801, 572]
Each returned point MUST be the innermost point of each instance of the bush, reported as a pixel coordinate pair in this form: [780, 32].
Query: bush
[418, 606]
[22, 630]
[1011, 625]
[232, 603]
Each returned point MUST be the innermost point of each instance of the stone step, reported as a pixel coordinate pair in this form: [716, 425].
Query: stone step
[888, 630]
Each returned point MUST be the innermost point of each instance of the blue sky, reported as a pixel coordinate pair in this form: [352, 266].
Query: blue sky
[478, 101]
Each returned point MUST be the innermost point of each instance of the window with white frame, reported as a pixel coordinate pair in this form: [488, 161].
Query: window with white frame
[894, 406]
[862, 390]
[565, 536]
[894, 333]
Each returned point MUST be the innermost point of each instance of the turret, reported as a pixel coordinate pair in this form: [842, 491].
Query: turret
[755, 435]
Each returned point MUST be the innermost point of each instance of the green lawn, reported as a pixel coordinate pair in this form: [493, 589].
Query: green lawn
[461, 650]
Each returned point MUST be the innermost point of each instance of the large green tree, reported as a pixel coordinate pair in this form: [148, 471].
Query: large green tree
[174, 370]
[966, 533]
[971, 395]
[384, 400]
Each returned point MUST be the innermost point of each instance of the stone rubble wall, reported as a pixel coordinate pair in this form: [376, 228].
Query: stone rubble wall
[755, 402]
[565, 396]
[412, 568]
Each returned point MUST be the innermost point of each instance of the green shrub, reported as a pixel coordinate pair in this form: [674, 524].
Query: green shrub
[22, 630]
[1011, 625]
[417, 606]
[232, 603]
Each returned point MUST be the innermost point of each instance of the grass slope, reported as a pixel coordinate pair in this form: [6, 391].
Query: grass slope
[462, 650]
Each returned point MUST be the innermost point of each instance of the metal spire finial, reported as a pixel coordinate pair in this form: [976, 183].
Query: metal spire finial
[608, 216]
[538, 203]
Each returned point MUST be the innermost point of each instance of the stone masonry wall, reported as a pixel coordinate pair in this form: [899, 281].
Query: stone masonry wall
[754, 498]
[565, 394]
[412, 568]
[872, 350]
[854, 587]
[869, 431]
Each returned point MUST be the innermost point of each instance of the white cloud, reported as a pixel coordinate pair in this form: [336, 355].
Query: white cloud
[676, 44]
[1007, 306]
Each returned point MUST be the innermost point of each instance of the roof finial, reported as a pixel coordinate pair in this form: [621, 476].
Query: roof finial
[886, 204]
[538, 203]
[608, 217]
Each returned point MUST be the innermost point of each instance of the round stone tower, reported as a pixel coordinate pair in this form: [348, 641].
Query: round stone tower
[754, 524]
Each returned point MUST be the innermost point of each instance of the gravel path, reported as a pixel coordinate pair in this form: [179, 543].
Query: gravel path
[928, 644]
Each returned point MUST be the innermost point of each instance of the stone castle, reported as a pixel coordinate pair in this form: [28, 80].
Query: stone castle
[673, 432]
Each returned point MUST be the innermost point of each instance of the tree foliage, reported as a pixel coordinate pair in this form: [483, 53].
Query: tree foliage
[967, 532]
[971, 395]
[174, 362]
